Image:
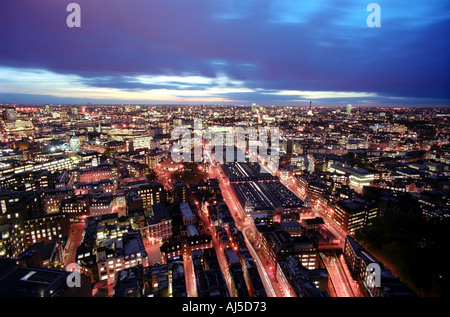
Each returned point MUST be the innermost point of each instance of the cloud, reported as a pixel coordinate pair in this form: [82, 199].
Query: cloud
[322, 94]
[229, 49]
[139, 88]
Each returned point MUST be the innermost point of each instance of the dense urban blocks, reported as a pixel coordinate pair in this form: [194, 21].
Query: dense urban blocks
[97, 193]
[260, 191]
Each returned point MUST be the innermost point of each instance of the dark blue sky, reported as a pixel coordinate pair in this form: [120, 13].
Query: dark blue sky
[225, 51]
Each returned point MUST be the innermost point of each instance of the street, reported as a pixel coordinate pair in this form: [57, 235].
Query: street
[243, 223]
[337, 269]
[189, 276]
[338, 272]
[74, 240]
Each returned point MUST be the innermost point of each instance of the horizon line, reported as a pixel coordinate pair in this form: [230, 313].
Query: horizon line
[218, 105]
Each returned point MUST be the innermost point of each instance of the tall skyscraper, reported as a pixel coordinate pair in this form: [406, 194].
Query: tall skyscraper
[290, 147]
[310, 113]
[349, 109]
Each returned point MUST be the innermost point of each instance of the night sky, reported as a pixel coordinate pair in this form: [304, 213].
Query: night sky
[285, 52]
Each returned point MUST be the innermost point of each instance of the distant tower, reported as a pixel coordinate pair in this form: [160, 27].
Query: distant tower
[310, 113]
[290, 147]
[99, 128]
[349, 109]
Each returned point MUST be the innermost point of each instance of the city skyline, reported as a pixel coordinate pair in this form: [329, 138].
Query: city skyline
[100, 183]
[226, 150]
[264, 52]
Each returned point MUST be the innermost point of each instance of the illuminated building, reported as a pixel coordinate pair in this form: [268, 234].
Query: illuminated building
[239, 287]
[301, 281]
[101, 205]
[285, 175]
[290, 147]
[75, 144]
[118, 254]
[135, 169]
[86, 155]
[15, 209]
[46, 228]
[52, 164]
[134, 201]
[313, 223]
[95, 174]
[184, 246]
[312, 186]
[152, 193]
[294, 228]
[11, 241]
[110, 245]
[277, 244]
[63, 180]
[51, 199]
[10, 114]
[76, 208]
[266, 196]
[29, 181]
[102, 186]
[159, 225]
[358, 177]
[152, 159]
[117, 146]
[18, 126]
[142, 142]
[358, 260]
[354, 214]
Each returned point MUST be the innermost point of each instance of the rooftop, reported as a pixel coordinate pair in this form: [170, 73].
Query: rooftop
[186, 210]
[351, 170]
[18, 281]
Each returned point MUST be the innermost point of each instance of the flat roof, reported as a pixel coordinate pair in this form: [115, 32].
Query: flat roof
[186, 210]
[314, 221]
[31, 281]
[352, 205]
[291, 224]
[192, 230]
[134, 245]
[159, 213]
[351, 170]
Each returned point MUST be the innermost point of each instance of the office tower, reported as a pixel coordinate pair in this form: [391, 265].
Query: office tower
[349, 109]
[290, 147]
